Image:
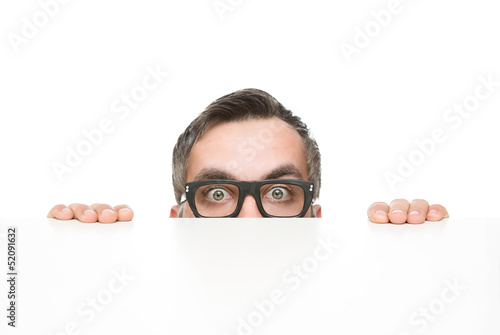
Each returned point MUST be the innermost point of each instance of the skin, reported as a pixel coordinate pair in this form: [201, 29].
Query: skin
[251, 150]
[400, 211]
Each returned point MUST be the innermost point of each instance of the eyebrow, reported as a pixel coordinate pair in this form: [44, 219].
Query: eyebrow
[214, 174]
[284, 170]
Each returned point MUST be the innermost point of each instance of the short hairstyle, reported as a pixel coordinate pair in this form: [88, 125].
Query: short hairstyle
[237, 106]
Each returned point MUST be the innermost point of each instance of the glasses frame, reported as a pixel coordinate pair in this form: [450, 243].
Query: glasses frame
[252, 188]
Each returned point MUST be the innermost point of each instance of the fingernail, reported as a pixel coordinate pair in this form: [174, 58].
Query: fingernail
[433, 211]
[65, 209]
[124, 210]
[107, 210]
[382, 213]
[397, 211]
[88, 212]
[414, 213]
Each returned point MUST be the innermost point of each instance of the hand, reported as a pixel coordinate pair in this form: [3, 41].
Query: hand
[400, 211]
[97, 212]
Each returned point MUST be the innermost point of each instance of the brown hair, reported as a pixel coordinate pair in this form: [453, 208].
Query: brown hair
[242, 105]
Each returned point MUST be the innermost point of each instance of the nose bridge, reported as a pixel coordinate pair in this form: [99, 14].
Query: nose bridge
[249, 207]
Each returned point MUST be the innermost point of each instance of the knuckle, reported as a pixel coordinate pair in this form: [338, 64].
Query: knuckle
[77, 206]
[399, 201]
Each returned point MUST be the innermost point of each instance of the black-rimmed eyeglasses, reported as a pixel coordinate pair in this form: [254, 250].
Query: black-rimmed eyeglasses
[224, 198]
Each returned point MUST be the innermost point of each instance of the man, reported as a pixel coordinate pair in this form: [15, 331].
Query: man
[248, 156]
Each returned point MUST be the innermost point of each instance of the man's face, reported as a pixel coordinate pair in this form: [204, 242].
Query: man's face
[256, 149]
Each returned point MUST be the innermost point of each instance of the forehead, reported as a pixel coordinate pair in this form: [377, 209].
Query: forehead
[247, 149]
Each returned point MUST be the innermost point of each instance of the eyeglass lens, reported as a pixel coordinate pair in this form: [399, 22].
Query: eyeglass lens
[217, 200]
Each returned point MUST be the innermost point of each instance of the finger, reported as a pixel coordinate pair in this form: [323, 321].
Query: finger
[436, 213]
[60, 212]
[125, 213]
[83, 213]
[105, 212]
[398, 211]
[417, 211]
[378, 212]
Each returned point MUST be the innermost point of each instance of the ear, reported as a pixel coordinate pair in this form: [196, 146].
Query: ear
[317, 210]
[174, 211]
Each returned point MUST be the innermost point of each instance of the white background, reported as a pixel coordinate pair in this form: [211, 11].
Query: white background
[364, 114]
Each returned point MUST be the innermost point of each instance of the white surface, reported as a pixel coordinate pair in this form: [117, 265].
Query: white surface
[200, 276]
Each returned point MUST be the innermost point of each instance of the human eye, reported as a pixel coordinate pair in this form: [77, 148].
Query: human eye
[278, 193]
[216, 194]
